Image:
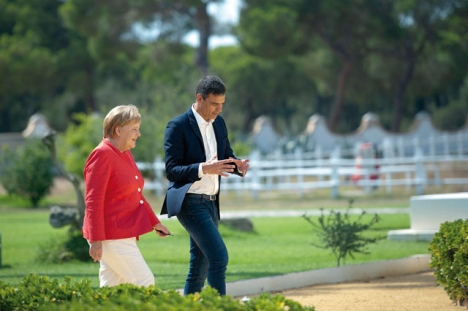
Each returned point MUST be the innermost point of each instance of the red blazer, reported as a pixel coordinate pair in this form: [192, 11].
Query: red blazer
[115, 206]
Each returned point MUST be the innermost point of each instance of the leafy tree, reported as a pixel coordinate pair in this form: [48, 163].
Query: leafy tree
[342, 26]
[380, 50]
[258, 86]
[40, 61]
[452, 117]
[28, 171]
[29, 35]
[412, 29]
[110, 27]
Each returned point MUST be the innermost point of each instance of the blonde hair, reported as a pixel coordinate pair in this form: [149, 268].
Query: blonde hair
[120, 116]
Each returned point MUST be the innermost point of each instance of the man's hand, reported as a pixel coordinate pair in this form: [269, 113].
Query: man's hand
[242, 165]
[215, 167]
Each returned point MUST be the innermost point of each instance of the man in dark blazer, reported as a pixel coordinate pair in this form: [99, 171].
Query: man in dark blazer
[198, 153]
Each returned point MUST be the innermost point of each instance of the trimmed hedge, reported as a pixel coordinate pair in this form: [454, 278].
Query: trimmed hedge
[41, 293]
[449, 259]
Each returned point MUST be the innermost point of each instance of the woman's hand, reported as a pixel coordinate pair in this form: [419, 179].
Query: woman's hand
[162, 230]
[95, 250]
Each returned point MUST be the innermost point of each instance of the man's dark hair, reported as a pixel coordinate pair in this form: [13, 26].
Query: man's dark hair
[210, 85]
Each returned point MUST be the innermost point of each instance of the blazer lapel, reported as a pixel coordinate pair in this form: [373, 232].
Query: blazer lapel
[194, 125]
[217, 130]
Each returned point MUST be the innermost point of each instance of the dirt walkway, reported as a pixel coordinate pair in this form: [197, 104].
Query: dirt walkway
[417, 292]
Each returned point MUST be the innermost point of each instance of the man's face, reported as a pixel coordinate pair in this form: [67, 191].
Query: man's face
[210, 107]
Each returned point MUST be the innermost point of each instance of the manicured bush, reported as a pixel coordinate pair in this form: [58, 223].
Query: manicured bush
[449, 259]
[27, 171]
[41, 293]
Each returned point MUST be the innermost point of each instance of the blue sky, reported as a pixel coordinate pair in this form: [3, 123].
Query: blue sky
[228, 11]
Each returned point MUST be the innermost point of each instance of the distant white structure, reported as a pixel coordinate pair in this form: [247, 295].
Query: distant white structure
[264, 136]
[38, 126]
[428, 212]
[318, 135]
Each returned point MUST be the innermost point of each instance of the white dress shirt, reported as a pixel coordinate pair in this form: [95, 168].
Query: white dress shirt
[209, 183]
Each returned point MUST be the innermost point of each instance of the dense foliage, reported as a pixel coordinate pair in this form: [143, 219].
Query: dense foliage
[27, 171]
[41, 293]
[449, 259]
[340, 59]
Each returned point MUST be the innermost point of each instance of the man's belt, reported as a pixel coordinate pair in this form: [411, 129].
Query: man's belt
[207, 197]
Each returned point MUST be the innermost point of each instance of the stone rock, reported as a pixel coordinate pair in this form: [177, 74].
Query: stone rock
[241, 224]
[62, 216]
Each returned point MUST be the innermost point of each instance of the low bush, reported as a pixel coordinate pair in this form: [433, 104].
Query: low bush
[41, 293]
[449, 259]
[59, 249]
[342, 235]
[27, 171]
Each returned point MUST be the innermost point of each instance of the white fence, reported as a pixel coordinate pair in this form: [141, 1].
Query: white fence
[301, 172]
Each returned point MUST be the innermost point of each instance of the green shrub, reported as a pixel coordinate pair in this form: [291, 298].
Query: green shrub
[41, 293]
[77, 246]
[51, 251]
[449, 259]
[64, 248]
[342, 235]
[28, 171]
[75, 145]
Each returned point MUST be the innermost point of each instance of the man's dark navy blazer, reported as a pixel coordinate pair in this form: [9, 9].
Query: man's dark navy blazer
[184, 149]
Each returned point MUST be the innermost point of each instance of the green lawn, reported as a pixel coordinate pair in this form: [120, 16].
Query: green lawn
[278, 246]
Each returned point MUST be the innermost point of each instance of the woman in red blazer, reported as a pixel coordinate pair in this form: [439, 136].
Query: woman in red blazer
[116, 211]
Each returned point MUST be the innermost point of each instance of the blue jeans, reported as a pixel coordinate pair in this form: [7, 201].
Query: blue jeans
[208, 253]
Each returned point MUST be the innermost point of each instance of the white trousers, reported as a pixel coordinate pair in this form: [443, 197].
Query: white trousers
[122, 262]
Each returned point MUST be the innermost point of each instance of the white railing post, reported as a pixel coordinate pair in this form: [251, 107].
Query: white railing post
[159, 175]
[254, 172]
[299, 166]
[432, 148]
[445, 140]
[388, 181]
[387, 147]
[401, 148]
[319, 160]
[335, 177]
[420, 172]
[460, 144]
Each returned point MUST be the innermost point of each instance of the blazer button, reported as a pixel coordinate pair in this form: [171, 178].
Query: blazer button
[141, 202]
[139, 189]
[136, 177]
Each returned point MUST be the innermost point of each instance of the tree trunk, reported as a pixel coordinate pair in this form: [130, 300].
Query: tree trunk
[203, 24]
[340, 93]
[248, 116]
[399, 95]
[89, 91]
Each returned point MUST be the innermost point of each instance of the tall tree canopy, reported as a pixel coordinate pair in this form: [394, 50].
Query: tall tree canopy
[357, 33]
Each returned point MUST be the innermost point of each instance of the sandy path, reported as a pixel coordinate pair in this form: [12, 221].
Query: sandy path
[417, 292]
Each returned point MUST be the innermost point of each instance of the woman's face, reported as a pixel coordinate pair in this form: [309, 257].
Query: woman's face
[127, 135]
